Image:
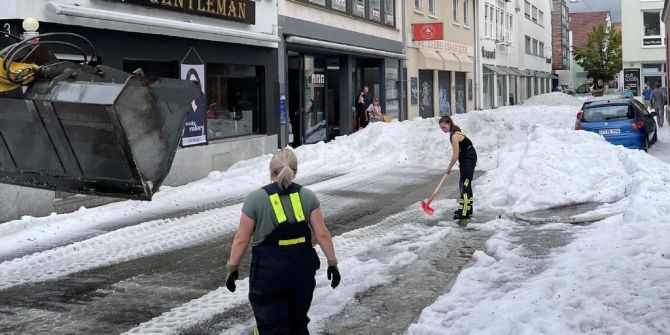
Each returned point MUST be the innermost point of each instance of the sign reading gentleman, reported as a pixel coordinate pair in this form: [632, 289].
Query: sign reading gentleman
[233, 10]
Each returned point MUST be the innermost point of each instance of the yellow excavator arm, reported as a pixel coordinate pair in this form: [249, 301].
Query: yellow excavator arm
[19, 74]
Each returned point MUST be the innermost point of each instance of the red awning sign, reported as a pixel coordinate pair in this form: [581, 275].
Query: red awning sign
[427, 31]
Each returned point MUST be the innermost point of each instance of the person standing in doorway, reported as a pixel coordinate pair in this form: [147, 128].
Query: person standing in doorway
[598, 88]
[658, 103]
[363, 100]
[276, 220]
[464, 152]
[646, 95]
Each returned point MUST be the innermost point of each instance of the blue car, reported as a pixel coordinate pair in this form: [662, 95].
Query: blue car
[622, 121]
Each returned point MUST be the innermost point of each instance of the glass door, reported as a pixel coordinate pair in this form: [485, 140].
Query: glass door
[314, 100]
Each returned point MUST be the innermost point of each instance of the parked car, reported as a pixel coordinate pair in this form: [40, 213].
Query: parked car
[583, 89]
[622, 121]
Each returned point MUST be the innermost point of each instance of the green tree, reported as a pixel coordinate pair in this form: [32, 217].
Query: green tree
[601, 58]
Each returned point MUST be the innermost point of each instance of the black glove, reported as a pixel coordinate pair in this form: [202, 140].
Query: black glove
[231, 277]
[333, 273]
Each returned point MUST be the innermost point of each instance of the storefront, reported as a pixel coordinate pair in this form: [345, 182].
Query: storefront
[231, 52]
[326, 67]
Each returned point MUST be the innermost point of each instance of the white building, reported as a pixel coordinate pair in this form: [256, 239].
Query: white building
[515, 51]
[644, 42]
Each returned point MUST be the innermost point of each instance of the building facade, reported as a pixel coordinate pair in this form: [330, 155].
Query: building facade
[644, 43]
[560, 43]
[329, 50]
[440, 69]
[232, 48]
[581, 25]
[516, 50]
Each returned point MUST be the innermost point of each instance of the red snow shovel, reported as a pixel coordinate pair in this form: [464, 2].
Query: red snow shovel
[425, 204]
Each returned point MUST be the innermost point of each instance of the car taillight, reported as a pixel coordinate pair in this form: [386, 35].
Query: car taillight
[579, 115]
[637, 125]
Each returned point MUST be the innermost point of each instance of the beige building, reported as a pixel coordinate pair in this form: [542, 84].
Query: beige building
[440, 51]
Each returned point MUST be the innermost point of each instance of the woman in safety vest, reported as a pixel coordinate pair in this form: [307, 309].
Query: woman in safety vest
[464, 152]
[276, 219]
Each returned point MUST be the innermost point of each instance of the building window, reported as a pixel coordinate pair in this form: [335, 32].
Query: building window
[528, 45]
[526, 9]
[541, 49]
[340, 5]
[540, 15]
[320, 2]
[455, 10]
[376, 10]
[491, 24]
[486, 20]
[389, 10]
[534, 14]
[534, 47]
[233, 97]
[509, 28]
[652, 29]
[418, 4]
[465, 12]
[431, 6]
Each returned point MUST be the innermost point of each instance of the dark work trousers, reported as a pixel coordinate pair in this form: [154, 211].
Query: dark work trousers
[467, 160]
[281, 284]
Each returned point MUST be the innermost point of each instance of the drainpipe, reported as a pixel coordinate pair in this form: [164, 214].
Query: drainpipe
[404, 95]
[478, 58]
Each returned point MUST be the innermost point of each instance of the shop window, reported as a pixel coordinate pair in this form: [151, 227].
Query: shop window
[340, 5]
[376, 10]
[359, 8]
[652, 29]
[233, 97]
[392, 74]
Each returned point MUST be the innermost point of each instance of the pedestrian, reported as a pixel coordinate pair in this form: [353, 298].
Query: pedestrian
[276, 219]
[658, 103]
[362, 102]
[464, 152]
[627, 92]
[374, 111]
[646, 94]
[598, 88]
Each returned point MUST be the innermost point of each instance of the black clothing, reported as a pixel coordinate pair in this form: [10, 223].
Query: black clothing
[361, 109]
[281, 277]
[467, 159]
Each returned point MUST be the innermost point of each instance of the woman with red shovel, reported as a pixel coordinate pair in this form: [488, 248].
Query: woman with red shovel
[464, 152]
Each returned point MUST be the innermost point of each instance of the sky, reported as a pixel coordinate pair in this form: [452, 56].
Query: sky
[614, 6]
[610, 279]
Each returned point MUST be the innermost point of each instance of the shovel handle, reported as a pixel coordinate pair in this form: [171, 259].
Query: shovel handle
[444, 177]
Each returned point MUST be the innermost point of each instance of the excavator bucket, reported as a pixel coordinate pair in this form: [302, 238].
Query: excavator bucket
[93, 130]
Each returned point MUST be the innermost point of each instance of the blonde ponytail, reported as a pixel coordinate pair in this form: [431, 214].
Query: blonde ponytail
[283, 167]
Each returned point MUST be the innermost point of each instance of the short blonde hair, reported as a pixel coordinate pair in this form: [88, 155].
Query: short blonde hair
[283, 167]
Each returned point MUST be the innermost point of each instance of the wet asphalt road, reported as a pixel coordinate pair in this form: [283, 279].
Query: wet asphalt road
[114, 299]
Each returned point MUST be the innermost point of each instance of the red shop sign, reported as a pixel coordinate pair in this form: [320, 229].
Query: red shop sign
[427, 31]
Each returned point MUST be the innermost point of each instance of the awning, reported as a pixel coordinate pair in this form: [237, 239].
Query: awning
[343, 47]
[466, 62]
[430, 59]
[451, 63]
[507, 71]
[516, 71]
[494, 69]
[553, 76]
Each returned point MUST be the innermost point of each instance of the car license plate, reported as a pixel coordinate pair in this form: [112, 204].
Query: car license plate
[610, 131]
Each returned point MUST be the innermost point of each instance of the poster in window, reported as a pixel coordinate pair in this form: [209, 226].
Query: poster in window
[339, 5]
[376, 10]
[319, 2]
[631, 77]
[389, 7]
[460, 92]
[359, 8]
[194, 128]
[426, 93]
[414, 90]
[444, 92]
